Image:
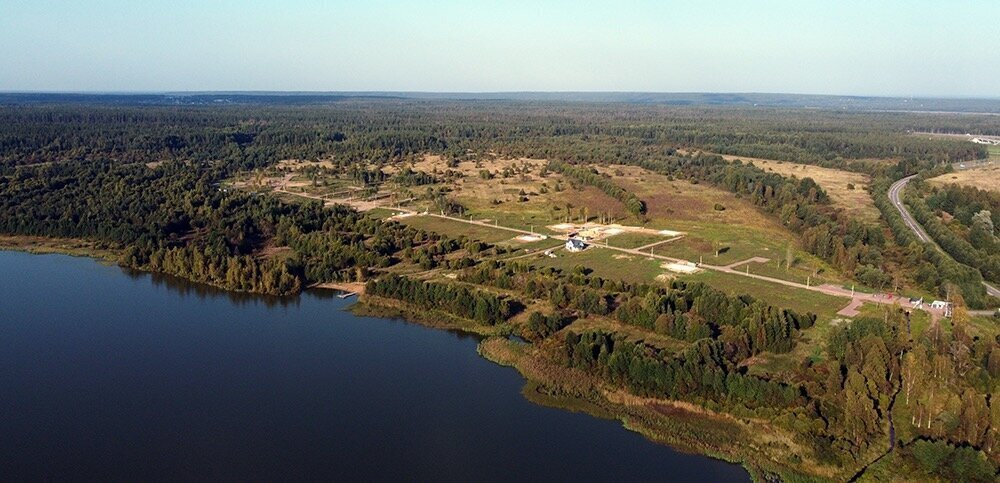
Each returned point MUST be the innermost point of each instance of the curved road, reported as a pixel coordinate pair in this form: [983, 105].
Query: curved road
[918, 230]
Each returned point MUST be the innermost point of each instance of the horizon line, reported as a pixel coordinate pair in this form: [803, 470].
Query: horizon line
[481, 93]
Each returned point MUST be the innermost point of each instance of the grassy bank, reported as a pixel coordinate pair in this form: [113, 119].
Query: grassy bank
[374, 306]
[62, 246]
[758, 445]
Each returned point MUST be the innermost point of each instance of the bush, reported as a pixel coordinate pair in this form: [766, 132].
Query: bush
[954, 463]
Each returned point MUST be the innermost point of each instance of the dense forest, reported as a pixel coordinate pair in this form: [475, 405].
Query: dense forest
[932, 270]
[962, 221]
[478, 305]
[174, 219]
[840, 405]
[351, 130]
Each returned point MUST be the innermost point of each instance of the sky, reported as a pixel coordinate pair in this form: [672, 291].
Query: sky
[847, 47]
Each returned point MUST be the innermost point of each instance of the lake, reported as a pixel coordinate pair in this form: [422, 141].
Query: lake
[107, 375]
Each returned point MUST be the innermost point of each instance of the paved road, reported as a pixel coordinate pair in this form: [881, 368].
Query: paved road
[911, 222]
[918, 230]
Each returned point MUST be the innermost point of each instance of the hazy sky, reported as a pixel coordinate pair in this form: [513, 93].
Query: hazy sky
[871, 47]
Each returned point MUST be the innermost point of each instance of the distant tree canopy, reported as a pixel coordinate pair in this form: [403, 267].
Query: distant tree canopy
[382, 130]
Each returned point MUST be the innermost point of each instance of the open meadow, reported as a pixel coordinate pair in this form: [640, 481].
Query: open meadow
[847, 190]
[518, 193]
[985, 177]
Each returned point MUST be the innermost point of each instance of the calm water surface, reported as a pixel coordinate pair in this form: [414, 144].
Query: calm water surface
[107, 375]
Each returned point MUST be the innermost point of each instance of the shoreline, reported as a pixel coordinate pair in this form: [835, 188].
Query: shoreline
[679, 425]
[661, 421]
[73, 247]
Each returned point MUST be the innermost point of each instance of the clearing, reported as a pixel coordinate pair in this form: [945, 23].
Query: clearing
[985, 178]
[517, 193]
[604, 263]
[847, 190]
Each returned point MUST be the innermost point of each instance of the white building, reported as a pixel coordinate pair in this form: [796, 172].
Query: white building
[942, 305]
[575, 245]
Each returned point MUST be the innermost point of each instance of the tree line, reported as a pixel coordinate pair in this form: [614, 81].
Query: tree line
[970, 236]
[478, 305]
[931, 269]
[177, 218]
[591, 177]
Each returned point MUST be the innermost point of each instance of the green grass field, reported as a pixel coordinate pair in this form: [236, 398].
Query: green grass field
[824, 306]
[635, 240]
[987, 327]
[735, 244]
[526, 220]
[797, 273]
[381, 213]
[605, 263]
[456, 229]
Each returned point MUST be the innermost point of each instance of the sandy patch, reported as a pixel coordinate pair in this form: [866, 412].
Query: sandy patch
[297, 164]
[852, 308]
[685, 268]
[530, 238]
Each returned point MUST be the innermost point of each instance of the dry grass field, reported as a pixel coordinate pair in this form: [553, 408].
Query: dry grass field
[984, 178]
[837, 184]
[670, 202]
[719, 237]
[521, 197]
[719, 228]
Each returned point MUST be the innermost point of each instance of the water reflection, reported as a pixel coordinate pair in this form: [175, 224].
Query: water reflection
[186, 288]
[107, 376]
